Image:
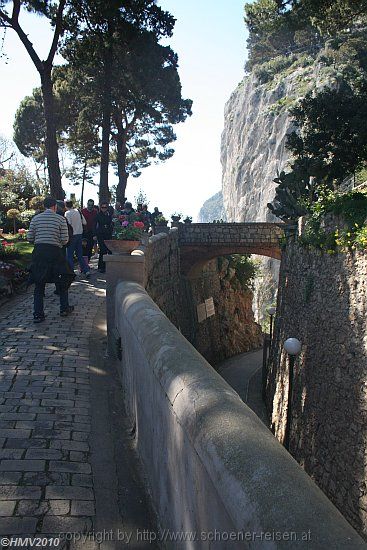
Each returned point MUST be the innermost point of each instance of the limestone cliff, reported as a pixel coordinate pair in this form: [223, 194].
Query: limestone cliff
[232, 330]
[212, 209]
[256, 123]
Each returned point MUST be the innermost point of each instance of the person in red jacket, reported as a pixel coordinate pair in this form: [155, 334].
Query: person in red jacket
[89, 234]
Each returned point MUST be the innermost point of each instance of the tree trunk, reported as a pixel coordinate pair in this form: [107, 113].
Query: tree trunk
[52, 154]
[121, 161]
[104, 193]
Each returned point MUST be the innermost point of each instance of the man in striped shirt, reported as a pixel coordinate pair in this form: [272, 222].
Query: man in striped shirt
[49, 233]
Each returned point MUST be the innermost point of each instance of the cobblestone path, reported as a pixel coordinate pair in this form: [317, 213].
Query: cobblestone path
[45, 414]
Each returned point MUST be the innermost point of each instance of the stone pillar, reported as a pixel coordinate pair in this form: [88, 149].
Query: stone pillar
[120, 267]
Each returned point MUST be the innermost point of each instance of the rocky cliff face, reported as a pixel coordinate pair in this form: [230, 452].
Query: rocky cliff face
[232, 330]
[253, 152]
[212, 209]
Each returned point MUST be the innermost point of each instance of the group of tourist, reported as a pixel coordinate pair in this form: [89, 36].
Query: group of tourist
[62, 231]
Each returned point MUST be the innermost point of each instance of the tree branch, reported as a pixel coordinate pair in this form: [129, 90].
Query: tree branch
[24, 39]
[58, 30]
[7, 160]
[5, 18]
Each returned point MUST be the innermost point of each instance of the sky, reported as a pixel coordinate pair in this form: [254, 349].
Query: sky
[210, 40]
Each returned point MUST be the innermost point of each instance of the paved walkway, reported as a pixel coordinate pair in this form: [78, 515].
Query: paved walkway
[54, 477]
[244, 373]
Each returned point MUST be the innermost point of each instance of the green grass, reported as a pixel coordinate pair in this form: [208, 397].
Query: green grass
[25, 249]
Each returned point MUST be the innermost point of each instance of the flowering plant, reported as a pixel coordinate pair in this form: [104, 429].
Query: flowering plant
[22, 233]
[8, 250]
[126, 228]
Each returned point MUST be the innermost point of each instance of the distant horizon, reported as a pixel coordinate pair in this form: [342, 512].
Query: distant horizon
[210, 68]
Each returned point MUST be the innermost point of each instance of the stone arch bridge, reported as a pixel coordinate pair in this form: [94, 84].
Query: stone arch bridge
[201, 242]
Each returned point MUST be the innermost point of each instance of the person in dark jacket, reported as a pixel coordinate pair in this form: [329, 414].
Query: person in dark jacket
[90, 214]
[104, 229]
[49, 233]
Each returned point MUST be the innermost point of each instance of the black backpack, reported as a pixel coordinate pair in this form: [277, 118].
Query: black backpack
[70, 229]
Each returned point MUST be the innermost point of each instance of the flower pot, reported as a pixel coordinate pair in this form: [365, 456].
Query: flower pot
[121, 247]
[175, 219]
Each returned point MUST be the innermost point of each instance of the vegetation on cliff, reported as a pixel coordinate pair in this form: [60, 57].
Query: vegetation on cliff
[329, 142]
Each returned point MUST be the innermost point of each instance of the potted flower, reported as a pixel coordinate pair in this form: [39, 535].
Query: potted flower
[161, 225]
[188, 219]
[127, 233]
[176, 216]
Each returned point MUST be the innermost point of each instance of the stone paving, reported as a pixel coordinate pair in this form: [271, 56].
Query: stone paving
[45, 416]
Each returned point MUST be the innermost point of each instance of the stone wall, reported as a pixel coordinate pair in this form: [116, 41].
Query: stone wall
[162, 274]
[216, 474]
[232, 330]
[322, 301]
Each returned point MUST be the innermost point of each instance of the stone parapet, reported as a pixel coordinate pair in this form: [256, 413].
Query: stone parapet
[211, 464]
[120, 267]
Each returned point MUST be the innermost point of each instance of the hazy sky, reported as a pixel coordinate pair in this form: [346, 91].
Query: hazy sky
[210, 40]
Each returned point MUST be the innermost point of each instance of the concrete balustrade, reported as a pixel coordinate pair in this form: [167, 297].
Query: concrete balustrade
[213, 468]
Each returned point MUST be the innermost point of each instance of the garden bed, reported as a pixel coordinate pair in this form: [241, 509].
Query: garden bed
[15, 257]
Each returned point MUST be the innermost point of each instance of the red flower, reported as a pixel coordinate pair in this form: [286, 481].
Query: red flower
[139, 225]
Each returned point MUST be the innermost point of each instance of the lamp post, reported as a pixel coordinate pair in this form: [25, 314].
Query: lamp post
[292, 346]
[266, 351]
[271, 312]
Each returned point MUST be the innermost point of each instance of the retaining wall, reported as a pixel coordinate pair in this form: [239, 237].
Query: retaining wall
[322, 301]
[212, 466]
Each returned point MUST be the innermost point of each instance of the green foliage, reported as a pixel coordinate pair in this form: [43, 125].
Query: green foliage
[30, 127]
[351, 210]
[278, 27]
[276, 32]
[8, 251]
[332, 134]
[266, 71]
[161, 220]
[36, 203]
[291, 196]
[246, 270]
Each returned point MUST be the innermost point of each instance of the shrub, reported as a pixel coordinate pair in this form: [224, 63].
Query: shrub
[36, 203]
[13, 214]
[267, 71]
[351, 208]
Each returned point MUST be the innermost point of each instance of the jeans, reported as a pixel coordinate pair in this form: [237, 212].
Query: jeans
[39, 291]
[75, 245]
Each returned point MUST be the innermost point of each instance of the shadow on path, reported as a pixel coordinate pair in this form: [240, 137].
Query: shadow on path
[243, 373]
